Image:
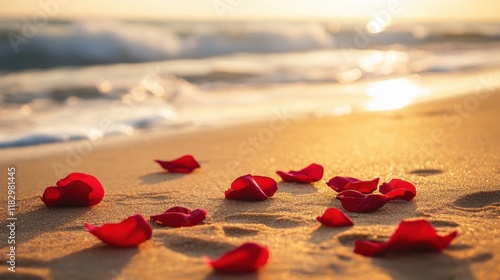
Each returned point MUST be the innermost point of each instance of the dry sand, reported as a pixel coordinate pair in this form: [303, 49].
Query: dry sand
[453, 159]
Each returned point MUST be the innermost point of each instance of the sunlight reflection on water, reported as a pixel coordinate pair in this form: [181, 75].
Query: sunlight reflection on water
[392, 94]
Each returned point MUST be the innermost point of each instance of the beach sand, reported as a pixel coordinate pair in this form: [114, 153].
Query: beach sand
[452, 157]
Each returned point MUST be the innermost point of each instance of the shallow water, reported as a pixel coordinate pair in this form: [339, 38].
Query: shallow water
[75, 80]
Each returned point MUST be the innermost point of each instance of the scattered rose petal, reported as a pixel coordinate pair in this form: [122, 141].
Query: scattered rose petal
[180, 217]
[184, 164]
[247, 258]
[311, 173]
[76, 190]
[355, 201]
[409, 237]
[128, 233]
[348, 183]
[333, 217]
[250, 187]
[399, 189]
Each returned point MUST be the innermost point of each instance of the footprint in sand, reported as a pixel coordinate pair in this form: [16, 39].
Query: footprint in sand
[270, 220]
[192, 245]
[426, 172]
[480, 202]
[239, 231]
[152, 198]
[349, 238]
[77, 228]
[440, 223]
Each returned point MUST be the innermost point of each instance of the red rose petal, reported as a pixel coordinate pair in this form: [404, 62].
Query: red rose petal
[348, 183]
[267, 184]
[184, 164]
[180, 217]
[250, 187]
[399, 189]
[247, 258]
[409, 237]
[333, 217]
[76, 190]
[338, 183]
[311, 173]
[128, 233]
[355, 201]
[178, 209]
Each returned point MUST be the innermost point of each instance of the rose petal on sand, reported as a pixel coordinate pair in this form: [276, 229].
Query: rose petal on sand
[76, 190]
[184, 164]
[409, 237]
[128, 233]
[247, 258]
[348, 183]
[180, 217]
[355, 201]
[311, 173]
[333, 217]
[249, 187]
[398, 189]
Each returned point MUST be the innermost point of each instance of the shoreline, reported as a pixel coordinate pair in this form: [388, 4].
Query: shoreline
[255, 104]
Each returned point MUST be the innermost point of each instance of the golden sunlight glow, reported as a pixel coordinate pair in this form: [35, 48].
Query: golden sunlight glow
[391, 94]
[376, 25]
[95, 134]
[364, 10]
[105, 87]
[349, 76]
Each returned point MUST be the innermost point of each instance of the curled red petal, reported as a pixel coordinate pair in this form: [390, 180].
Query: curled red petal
[355, 201]
[367, 248]
[333, 217]
[76, 190]
[250, 187]
[180, 217]
[399, 189]
[178, 209]
[128, 233]
[267, 184]
[311, 173]
[348, 183]
[184, 164]
[338, 183]
[401, 194]
[247, 258]
[409, 237]
[363, 186]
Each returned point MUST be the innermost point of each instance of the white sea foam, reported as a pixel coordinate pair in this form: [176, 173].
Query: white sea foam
[169, 75]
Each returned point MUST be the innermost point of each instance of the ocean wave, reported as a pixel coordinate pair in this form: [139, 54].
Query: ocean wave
[170, 75]
[79, 43]
[87, 43]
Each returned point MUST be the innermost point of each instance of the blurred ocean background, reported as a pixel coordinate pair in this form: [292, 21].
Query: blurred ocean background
[88, 79]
